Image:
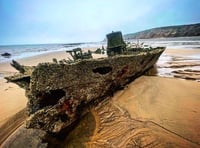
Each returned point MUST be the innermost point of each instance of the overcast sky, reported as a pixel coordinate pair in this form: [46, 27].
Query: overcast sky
[68, 21]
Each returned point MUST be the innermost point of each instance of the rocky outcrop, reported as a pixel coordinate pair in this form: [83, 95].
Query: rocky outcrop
[169, 31]
[6, 55]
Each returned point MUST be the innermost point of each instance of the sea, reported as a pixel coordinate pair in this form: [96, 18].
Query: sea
[24, 51]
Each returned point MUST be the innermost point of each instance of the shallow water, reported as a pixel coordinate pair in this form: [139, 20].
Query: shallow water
[184, 66]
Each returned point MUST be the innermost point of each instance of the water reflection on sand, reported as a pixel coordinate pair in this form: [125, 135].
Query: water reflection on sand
[184, 64]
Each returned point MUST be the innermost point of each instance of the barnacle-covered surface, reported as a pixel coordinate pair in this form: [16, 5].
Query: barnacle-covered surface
[78, 84]
[59, 94]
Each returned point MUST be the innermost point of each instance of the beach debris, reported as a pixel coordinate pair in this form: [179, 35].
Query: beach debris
[115, 43]
[100, 50]
[23, 77]
[55, 60]
[77, 54]
[17, 66]
[6, 55]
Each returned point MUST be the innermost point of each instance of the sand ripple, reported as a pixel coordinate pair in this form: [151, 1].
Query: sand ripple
[115, 128]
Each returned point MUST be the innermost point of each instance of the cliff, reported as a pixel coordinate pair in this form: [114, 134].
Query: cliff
[169, 31]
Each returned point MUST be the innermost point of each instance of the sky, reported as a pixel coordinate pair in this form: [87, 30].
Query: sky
[70, 21]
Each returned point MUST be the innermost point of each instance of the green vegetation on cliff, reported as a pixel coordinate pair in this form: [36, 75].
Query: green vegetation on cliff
[169, 31]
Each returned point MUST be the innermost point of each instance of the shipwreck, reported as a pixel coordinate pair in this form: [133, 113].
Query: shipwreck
[59, 93]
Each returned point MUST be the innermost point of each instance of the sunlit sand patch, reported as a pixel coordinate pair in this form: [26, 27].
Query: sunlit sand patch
[171, 103]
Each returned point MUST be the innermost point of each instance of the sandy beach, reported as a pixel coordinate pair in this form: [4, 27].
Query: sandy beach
[167, 99]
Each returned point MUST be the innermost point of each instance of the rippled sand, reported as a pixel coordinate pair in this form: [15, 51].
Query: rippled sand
[150, 112]
[180, 63]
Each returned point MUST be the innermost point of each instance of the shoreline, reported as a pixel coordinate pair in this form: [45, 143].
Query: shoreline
[6, 68]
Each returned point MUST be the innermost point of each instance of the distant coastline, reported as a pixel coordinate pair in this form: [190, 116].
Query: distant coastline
[166, 32]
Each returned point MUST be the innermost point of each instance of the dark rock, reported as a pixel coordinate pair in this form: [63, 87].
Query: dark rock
[6, 55]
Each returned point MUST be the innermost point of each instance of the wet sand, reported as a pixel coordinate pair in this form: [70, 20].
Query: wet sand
[149, 112]
[116, 127]
[180, 63]
[170, 103]
[150, 107]
[12, 100]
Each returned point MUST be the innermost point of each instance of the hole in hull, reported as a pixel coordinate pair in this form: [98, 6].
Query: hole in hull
[102, 70]
[50, 98]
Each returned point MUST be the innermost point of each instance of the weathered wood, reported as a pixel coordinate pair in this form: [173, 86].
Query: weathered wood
[17, 66]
